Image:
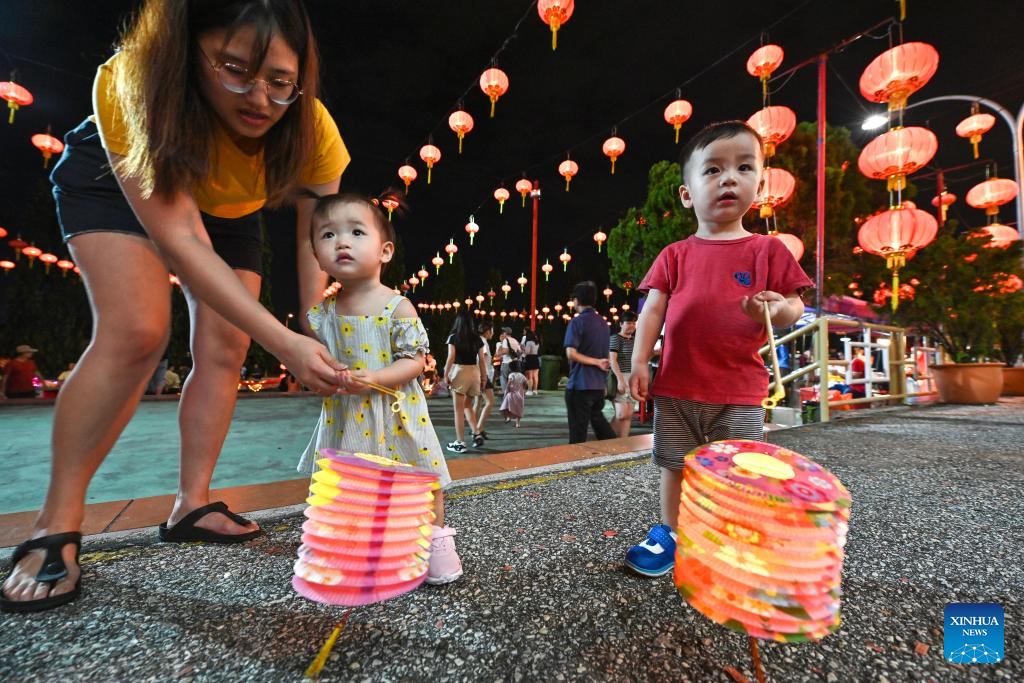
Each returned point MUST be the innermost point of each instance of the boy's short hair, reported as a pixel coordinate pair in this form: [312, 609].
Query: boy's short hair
[484, 327]
[585, 293]
[710, 133]
[627, 317]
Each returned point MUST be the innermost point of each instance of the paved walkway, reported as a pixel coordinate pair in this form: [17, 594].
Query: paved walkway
[936, 519]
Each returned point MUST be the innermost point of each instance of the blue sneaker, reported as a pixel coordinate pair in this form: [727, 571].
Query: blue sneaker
[656, 555]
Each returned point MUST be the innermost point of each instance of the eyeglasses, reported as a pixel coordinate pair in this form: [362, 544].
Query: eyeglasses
[236, 79]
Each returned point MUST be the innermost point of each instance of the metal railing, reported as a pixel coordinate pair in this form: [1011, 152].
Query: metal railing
[894, 354]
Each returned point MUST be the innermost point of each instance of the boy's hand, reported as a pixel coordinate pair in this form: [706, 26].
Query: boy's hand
[639, 379]
[754, 306]
[604, 364]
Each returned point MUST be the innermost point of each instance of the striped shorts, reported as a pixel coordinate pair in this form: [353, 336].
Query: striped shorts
[681, 425]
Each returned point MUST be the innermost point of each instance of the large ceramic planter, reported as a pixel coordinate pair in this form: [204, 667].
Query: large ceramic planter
[968, 382]
[1013, 381]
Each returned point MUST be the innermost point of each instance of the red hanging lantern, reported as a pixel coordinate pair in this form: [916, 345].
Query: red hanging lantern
[16, 97]
[451, 249]
[792, 242]
[506, 288]
[522, 282]
[991, 194]
[774, 125]
[49, 260]
[974, 126]
[430, 155]
[48, 145]
[565, 257]
[501, 194]
[568, 169]
[461, 123]
[3, 233]
[776, 189]
[555, 13]
[17, 244]
[413, 281]
[32, 252]
[408, 174]
[490, 296]
[895, 235]
[438, 262]
[600, 237]
[547, 268]
[422, 274]
[65, 266]
[897, 153]
[613, 148]
[763, 62]
[6, 265]
[942, 202]
[677, 113]
[524, 187]
[494, 83]
[607, 291]
[472, 228]
[1000, 236]
[898, 72]
[390, 203]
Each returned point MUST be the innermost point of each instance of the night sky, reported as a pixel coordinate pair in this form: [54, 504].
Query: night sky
[393, 71]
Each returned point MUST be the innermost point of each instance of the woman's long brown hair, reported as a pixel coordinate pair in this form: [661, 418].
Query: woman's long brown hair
[170, 127]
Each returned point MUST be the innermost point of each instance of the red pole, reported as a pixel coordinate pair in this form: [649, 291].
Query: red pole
[533, 260]
[819, 260]
[940, 183]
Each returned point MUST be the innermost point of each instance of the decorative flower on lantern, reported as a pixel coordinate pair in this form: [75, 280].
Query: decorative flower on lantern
[16, 97]
[765, 60]
[607, 291]
[524, 187]
[974, 126]
[438, 262]
[565, 257]
[522, 282]
[599, 237]
[677, 113]
[568, 169]
[990, 194]
[547, 268]
[472, 228]
[776, 189]
[451, 249]
[461, 123]
[897, 153]
[408, 174]
[494, 83]
[555, 13]
[898, 72]
[895, 235]
[501, 194]
[613, 148]
[430, 155]
[48, 145]
[774, 125]
[506, 288]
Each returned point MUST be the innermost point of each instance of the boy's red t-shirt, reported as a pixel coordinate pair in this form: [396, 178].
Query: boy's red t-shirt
[709, 353]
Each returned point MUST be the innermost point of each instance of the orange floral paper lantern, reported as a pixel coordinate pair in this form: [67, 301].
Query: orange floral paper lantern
[568, 169]
[677, 113]
[430, 155]
[494, 83]
[16, 96]
[974, 126]
[897, 153]
[776, 189]
[48, 145]
[774, 125]
[895, 235]
[555, 13]
[898, 72]
[461, 123]
[991, 194]
[613, 148]
[765, 60]
[501, 194]
[524, 187]
[408, 174]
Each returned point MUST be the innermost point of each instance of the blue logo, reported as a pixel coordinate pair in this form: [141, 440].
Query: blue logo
[742, 277]
[973, 633]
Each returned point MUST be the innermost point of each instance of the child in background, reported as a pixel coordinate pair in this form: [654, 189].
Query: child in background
[378, 335]
[514, 401]
[709, 291]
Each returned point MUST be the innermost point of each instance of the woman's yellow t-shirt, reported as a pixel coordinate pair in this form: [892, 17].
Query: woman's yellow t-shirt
[235, 186]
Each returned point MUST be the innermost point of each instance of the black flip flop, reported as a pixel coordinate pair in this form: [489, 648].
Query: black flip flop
[185, 531]
[53, 570]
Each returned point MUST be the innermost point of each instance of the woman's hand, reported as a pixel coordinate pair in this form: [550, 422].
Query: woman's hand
[312, 364]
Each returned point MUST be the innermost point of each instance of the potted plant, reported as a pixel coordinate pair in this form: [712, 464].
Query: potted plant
[968, 297]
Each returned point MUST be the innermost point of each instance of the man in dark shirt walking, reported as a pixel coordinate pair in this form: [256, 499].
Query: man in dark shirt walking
[586, 346]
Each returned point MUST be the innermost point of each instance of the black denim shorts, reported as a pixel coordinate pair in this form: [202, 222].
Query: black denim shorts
[90, 200]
